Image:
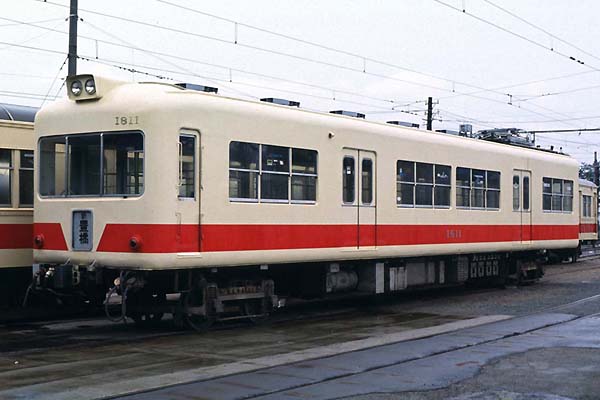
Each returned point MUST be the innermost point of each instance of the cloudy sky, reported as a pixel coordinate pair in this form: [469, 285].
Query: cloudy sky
[531, 64]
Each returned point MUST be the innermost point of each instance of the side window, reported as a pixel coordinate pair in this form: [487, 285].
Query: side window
[26, 179]
[304, 175]
[348, 179]
[405, 183]
[493, 190]
[478, 189]
[558, 195]
[366, 196]
[463, 187]
[568, 196]
[443, 179]
[243, 171]
[547, 194]
[516, 193]
[5, 177]
[424, 185]
[526, 193]
[187, 166]
[272, 174]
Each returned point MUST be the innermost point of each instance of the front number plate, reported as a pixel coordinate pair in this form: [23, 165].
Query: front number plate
[83, 230]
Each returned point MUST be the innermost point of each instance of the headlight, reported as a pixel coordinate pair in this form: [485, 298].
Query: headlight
[76, 88]
[90, 86]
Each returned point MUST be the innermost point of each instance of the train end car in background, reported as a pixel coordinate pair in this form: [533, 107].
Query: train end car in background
[16, 202]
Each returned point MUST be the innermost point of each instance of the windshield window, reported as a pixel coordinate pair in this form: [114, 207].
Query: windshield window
[96, 164]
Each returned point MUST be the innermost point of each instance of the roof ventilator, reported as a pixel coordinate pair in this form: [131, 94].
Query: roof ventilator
[281, 102]
[198, 88]
[348, 113]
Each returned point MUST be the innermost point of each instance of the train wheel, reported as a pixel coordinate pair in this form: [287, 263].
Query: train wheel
[193, 311]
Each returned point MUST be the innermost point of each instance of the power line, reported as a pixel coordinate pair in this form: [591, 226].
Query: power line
[333, 90]
[276, 52]
[279, 53]
[522, 37]
[541, 29]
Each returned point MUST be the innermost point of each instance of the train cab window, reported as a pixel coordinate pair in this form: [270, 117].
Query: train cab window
[366, 196]
[52, 166]
[405, 183]
[274, 173]
[348, 178]
[123, 164]
[187, 166]
[525, 193]
[83, 155]
[463, 187]
[26, 178]
[97, 164]
[243, 170]
[304, 175]
[5, 177]
[516, 192]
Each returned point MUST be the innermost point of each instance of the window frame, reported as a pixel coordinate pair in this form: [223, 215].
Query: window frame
[20, 180]
[485, 188]
[101, 178]
[10, 170]
[414, 184]
[261, 171]
[562, 195]
[354, 186]
[194, 163]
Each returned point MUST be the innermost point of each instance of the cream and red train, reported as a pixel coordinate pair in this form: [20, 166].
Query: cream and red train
[230, 203]
[16, 201]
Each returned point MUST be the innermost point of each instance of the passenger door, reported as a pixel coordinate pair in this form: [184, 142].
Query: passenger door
[188, 209]
[359, 195]
[522, 202]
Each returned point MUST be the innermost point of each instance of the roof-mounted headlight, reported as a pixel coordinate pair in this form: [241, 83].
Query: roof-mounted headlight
[90, 86]
[76, 88]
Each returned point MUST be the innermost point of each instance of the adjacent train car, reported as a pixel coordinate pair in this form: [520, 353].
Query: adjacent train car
[588, 211]
[16, 201]
[232, 203]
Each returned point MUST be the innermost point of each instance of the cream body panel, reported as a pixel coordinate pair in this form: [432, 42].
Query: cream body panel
[164, 111]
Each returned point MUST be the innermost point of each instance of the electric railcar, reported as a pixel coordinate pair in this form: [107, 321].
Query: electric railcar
[588, 211]
[233, 205]
[16, 202]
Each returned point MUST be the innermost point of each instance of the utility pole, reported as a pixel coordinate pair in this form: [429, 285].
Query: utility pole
[429, 113]
[596, 169]
[73, 17]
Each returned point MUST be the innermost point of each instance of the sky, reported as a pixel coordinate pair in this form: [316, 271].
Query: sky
[532, 64]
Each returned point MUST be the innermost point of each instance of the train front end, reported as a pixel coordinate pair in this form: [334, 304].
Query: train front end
[96, 191]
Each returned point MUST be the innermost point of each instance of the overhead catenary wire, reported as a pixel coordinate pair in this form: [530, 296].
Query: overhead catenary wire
[294, 56]
[522, 37]
[514, 15]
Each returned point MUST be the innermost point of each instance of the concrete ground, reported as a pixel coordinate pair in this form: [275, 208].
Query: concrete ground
[95, 359]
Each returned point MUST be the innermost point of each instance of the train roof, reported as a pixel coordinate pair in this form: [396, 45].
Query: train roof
[162, 96]
[585, 182]
[15, 112]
